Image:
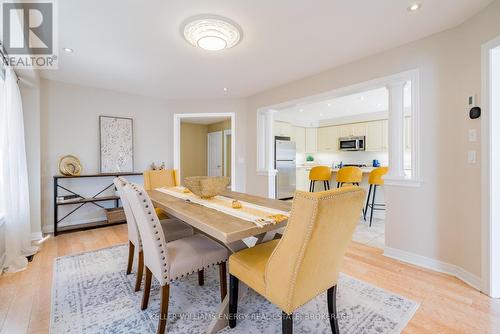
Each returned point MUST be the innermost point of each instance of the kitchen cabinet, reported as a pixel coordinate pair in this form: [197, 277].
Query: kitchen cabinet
[376, 136]
[302, 175]
[344, 130]
[358, 129]
[311, 140]
[282, 129]
[299, 137]
[352, 130]
[328, 139]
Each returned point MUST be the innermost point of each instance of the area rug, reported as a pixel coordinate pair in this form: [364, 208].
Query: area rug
[92, 294]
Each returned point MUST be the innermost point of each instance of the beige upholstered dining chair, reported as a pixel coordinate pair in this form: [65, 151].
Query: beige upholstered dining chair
[168, 261]
[174, 229]
[306, 261]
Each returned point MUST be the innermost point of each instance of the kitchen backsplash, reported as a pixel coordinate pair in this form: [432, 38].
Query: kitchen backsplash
[360, 158]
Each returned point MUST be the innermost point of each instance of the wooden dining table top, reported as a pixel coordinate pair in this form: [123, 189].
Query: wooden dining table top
[218, 225]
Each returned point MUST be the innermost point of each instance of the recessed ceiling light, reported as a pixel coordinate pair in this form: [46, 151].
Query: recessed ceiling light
[212, 33]
[329, 104]
[321, 115]
[414, 7]
[68, 50]
[225, 89]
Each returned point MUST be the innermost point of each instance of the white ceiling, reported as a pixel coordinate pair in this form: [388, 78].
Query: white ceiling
[204, 120]
[135, 46]
[365, 103]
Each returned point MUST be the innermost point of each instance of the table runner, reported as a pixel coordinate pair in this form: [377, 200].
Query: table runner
[257, 214]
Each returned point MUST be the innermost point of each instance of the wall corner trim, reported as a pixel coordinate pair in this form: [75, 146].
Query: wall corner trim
[435, 265]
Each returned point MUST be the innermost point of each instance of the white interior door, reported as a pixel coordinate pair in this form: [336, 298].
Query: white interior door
[214, 154]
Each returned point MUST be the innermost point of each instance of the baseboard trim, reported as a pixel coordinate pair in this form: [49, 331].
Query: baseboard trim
[36, 236]
[432, 264]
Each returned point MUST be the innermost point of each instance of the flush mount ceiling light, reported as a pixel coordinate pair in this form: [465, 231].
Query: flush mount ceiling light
[68, 50]
[414, 7]
[212, 33]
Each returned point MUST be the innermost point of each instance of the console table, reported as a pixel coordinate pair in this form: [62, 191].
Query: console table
[81, 200]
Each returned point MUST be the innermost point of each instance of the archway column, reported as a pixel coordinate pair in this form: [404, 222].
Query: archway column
[396, 130]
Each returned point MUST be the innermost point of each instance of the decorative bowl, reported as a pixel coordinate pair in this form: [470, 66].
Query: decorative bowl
[206, 186]
[69, 165]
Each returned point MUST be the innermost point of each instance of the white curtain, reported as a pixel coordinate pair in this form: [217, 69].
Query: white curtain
[14, 193]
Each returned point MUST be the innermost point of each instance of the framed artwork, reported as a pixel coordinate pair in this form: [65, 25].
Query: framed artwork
[117, 144]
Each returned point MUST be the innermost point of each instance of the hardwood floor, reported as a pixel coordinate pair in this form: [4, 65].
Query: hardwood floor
[446, 304]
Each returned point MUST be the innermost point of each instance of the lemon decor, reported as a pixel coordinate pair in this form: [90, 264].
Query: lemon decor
[278, 218]
[236, 204]
[69, 165]
[206, 186]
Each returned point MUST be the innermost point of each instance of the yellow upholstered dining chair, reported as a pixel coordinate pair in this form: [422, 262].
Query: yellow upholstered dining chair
[160, 179]
[320, 173]
[350, 174]
[306, 261]
[375, 179]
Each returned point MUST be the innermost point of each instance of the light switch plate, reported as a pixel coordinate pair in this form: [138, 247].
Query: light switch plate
[471, 157]
[471, 100]
[472, 135]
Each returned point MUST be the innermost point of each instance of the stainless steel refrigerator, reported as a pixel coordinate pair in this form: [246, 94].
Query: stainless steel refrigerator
[286, 166]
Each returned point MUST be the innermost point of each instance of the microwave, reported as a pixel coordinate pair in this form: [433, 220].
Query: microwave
[352, 143]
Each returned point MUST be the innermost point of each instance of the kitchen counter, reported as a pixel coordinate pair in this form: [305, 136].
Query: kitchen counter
[365, 170]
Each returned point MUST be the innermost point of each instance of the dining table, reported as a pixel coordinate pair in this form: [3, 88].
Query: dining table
[226, 229]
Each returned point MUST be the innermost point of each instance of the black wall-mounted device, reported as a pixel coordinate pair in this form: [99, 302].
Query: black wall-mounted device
[475, 113]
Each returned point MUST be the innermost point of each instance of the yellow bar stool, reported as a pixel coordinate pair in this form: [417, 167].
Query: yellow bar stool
[320, 173]
[375, 180]
[352, 175]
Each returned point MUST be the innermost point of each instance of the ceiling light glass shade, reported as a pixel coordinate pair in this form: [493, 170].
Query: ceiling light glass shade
[212, 33]
[414, 7]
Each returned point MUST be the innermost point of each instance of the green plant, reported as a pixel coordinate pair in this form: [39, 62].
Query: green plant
[310, 158]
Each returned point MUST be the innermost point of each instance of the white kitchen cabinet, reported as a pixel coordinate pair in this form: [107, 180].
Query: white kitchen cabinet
[302, 181]
[282, 129]
[311, 140]
[358, 129]
[327, 139]
[375, 136]
[408, 133]
[385, 134]
[352, 130]
[344, 130]
[299, 137]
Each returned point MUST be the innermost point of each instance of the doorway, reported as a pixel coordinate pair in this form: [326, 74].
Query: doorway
[204, 144]
[491, 169]
[214, 153]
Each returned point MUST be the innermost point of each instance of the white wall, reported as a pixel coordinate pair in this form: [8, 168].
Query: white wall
[441, 219]
[30, 95]
[70, 125]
